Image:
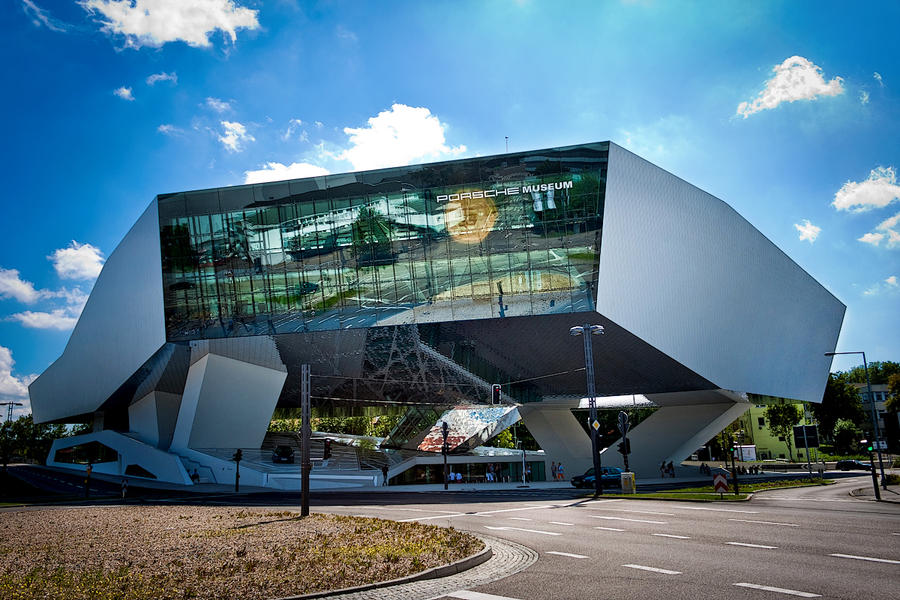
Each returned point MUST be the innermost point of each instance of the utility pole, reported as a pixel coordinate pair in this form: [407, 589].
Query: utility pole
[305, 436]
[445, 430]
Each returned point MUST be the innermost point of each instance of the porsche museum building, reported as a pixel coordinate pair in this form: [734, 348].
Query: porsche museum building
[419, 287]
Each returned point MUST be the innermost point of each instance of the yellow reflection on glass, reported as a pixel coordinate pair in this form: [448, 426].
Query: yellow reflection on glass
[469, 220]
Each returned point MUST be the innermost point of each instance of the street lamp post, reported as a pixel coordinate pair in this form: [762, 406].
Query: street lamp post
[586, 331]
[875, 430]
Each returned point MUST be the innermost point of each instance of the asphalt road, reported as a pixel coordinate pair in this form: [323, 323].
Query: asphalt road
[802, 542]
[806, 542]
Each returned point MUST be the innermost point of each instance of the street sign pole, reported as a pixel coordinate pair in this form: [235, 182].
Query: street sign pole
[305, 437]
[623, 428]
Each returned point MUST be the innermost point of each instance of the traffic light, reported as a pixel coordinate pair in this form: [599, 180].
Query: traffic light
[238, 455]
[327, 452]
[495, 393]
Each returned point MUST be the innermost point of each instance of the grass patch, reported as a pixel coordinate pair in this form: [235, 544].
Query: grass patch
[205, 552]
[676, 495]
[765, 485]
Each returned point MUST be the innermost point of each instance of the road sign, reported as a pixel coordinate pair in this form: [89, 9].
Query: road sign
[623, 422]
[720, 483]
[596, 425]
[811, 436]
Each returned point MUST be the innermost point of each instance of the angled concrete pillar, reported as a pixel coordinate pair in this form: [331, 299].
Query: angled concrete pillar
[559, 435]
[227, 401]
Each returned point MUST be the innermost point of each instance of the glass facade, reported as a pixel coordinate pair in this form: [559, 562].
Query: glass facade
[502, 236]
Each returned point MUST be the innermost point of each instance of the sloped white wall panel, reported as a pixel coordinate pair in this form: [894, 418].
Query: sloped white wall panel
[122, 325]
[682, 270]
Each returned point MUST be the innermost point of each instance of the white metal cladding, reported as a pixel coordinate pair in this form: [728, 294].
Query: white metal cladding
[683, 271]
[122, 325]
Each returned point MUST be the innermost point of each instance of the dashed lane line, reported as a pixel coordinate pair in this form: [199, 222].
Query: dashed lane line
[868, 558]
[569, 554]
[521, 529]
[745, 545]
[765, 522]
[653, 569]
[520, 519]
[671, 535]
[572, 524]
[604, 501]
[641, 512]
[447, 516]
[731, 510]
[630, 520]
[777, 590]
[609, 529]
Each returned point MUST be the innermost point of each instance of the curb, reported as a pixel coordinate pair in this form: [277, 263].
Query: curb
[433, 573]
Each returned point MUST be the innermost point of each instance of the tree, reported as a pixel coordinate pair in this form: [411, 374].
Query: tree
[879, 372]
[893, 401]
[781, 419]
[841, 401]
[846, 436]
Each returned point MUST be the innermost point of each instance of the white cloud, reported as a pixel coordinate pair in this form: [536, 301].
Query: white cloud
[872, 238]
[77, 261]
[13, 388]
[217, 105]
[879, 190]
[274, 171]
[156, 22]
[157, 77]
[863, 97]
[40, 17]
[808, 231]
[877, 77]
[61, 318]
[169, 129]
[13, 286]
[668, 136]
[398, 136]
[887, 229]
[58, 318]
[124, 93]
[892, 281]
[293, 125]
[795, 79]
[319, 124]
[345, 35]
[234, 136]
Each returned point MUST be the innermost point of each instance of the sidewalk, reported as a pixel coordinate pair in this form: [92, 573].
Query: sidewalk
[891, 494]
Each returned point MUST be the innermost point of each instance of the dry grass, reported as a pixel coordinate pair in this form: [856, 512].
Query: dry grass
[203, 552]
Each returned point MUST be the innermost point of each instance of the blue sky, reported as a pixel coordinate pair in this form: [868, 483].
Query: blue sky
[788, 111]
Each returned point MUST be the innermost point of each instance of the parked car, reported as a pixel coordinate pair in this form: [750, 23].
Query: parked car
[283, 454]
[609, 477]
[852, 465]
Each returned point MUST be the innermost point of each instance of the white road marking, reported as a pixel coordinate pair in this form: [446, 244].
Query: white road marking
[654, 569]
[752, 545]
[567, 554]
[603, 501]
[869, 558]
[765, 522]
[504, 510]
[671, 535]
[643, 512]
[520, 529]
[571, 524]
[732, 510]
[609, 529]
[447, 516]
[769, 588]
[470, 595]
[632, 520]
[520, 519]
[478, 514]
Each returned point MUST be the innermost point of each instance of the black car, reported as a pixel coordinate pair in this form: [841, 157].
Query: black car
[283, 454]
[609, 477]
[852, 465]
